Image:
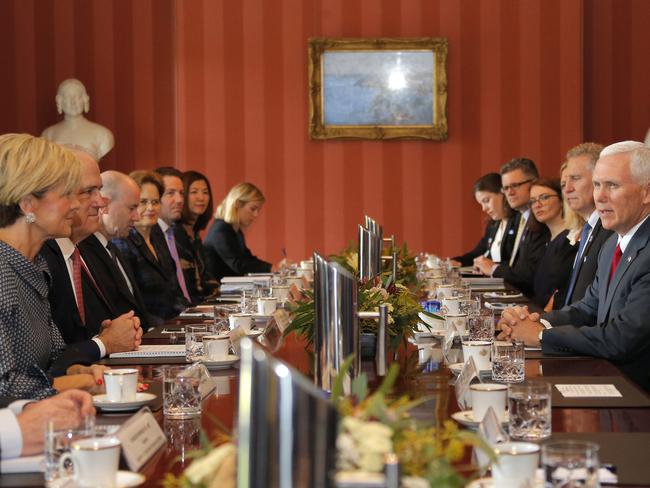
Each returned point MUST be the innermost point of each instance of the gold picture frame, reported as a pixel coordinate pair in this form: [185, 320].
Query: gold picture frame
[378, 88]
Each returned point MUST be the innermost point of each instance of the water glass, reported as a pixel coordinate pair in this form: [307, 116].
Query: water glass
[58, 443]
[194, 335]
[481, 327]
[508, 362]
[221, 313]
[572, 464]
[529, 404]
[469, 307]
[181, 394]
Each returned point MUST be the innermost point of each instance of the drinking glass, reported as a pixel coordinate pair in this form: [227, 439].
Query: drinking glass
[529, 404]
[194, 335]
[481, 328]
[57, 443]
[221, 313]
[181, 394]
[508, 362]
[570, 464]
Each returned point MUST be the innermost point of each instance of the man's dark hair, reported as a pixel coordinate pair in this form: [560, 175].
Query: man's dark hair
[169, 171]
[524, 164]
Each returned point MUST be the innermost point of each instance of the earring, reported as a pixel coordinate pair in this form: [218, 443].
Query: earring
[30, 218]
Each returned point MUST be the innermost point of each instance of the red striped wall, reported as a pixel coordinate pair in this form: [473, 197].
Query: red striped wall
[220, 86]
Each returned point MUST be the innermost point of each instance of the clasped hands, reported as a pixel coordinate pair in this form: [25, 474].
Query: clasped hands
[517, 323]
[484, 265]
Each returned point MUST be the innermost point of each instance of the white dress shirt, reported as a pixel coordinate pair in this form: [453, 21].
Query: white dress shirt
[11, 438]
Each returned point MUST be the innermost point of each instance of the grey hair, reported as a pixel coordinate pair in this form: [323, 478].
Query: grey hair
[639, 158]
[590, 149]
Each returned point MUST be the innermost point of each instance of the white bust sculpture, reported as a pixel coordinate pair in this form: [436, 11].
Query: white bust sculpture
[73, 101]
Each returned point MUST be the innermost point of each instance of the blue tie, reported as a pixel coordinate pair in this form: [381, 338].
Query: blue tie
[576, 266]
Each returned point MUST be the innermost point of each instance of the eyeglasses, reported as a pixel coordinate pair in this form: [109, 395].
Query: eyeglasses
[543, 198]
[153, 202]
[515, 186]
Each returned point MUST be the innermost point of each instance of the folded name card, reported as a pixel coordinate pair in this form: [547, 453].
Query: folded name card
[141, 437]
[583, 391]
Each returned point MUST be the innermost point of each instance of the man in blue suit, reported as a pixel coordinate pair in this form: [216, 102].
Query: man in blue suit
[612, 320]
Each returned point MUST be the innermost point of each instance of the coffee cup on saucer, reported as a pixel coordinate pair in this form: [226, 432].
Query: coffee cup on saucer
[121, 384]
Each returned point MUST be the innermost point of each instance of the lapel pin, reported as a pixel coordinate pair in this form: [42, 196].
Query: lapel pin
[629, 258]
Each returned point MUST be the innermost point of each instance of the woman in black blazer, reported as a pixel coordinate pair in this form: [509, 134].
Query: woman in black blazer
[499, 237]
[225, 248]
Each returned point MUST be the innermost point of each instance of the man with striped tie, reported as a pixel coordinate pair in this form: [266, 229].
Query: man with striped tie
[611, 320]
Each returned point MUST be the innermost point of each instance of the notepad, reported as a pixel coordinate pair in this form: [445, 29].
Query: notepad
[581, 391]
[152, 351]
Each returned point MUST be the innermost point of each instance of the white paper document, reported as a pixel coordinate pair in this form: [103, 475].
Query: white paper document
[582, 391]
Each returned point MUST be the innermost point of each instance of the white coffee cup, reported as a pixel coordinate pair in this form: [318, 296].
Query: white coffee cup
[445, 291]
[480, 351]
[516, 465]
[451, 305]
[216, 347]
[458, 322]
[95, 461]
[486, 395]
[242, 320]
[281, 292]
[267, 305]
[295, 280]
[308, 274]
[121, 384]
[307, 264]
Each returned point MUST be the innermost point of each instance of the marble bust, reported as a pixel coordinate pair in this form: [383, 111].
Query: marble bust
[72, 101]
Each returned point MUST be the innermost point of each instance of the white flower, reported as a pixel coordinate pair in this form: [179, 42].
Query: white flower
[202, 469]
[363, 445]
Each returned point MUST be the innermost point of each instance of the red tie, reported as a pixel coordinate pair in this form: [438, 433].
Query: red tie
[615, 260]
[76, 281]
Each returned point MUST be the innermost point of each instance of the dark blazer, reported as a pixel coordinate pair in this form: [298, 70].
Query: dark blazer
[226, 253]
[507, 243]
[65, 314]
[190, 253]
[589, 262]
[109, 277]
[531, 249]
[154, 276]
[554, 271]
[611, 320]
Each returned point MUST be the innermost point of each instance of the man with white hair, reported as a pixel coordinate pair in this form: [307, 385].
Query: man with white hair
[611, 320]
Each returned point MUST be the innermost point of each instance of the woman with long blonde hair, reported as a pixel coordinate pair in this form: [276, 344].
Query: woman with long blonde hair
[225, 248]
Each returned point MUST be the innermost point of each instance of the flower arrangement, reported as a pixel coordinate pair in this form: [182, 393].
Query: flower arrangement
[403, 310]
[373, 426]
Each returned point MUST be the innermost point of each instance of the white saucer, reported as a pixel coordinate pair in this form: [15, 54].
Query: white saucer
[141, 399]
[220, 363]
[254, 333]
[500, 306]
[456, 368]
[466, 418]
[502, 294]
[124, 479]
[258, 317]
[488, 483]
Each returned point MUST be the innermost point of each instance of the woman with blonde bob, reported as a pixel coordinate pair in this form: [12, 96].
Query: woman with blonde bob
[225, 248]
[38, 187]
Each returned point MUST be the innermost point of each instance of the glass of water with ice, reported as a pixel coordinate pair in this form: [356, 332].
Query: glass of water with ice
[508, 362]
[529, 407]
[181, 393]
[571, 464]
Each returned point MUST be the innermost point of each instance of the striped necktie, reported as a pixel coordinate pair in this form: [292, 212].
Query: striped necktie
[171, 241]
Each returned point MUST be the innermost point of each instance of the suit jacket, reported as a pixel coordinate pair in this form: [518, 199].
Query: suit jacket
[554, 271]
[507, 243]
[109, 277]
[154, 276]
[589, 261]
[226, 253]
[532, 247]
[611, 320]
[65, 314]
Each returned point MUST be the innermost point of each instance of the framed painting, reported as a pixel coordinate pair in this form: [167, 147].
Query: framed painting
[378, 88]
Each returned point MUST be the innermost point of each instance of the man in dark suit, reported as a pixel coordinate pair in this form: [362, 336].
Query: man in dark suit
[577, 188]
[104, 259]
[611, 320]
[517, 177]
[80, 309]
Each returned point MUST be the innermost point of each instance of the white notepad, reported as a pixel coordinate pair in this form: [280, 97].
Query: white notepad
[580, 391]
[152, 351]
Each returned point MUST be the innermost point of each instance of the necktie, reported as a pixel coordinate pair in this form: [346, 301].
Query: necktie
[520, 231]
[122, 274]
[76, 282]
[576, 266]
[171, 243]
[615, 260]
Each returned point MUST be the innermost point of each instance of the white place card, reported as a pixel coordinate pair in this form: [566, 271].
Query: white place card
[467, 374]
[141, 437]
[584, 391]
[490, 428]
[282, 319]
[447, 342]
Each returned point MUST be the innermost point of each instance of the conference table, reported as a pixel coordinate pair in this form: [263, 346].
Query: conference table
[621, 426]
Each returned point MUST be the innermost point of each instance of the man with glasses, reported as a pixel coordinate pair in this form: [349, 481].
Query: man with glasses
[611, 320]
[531, 238]
[579, 195]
